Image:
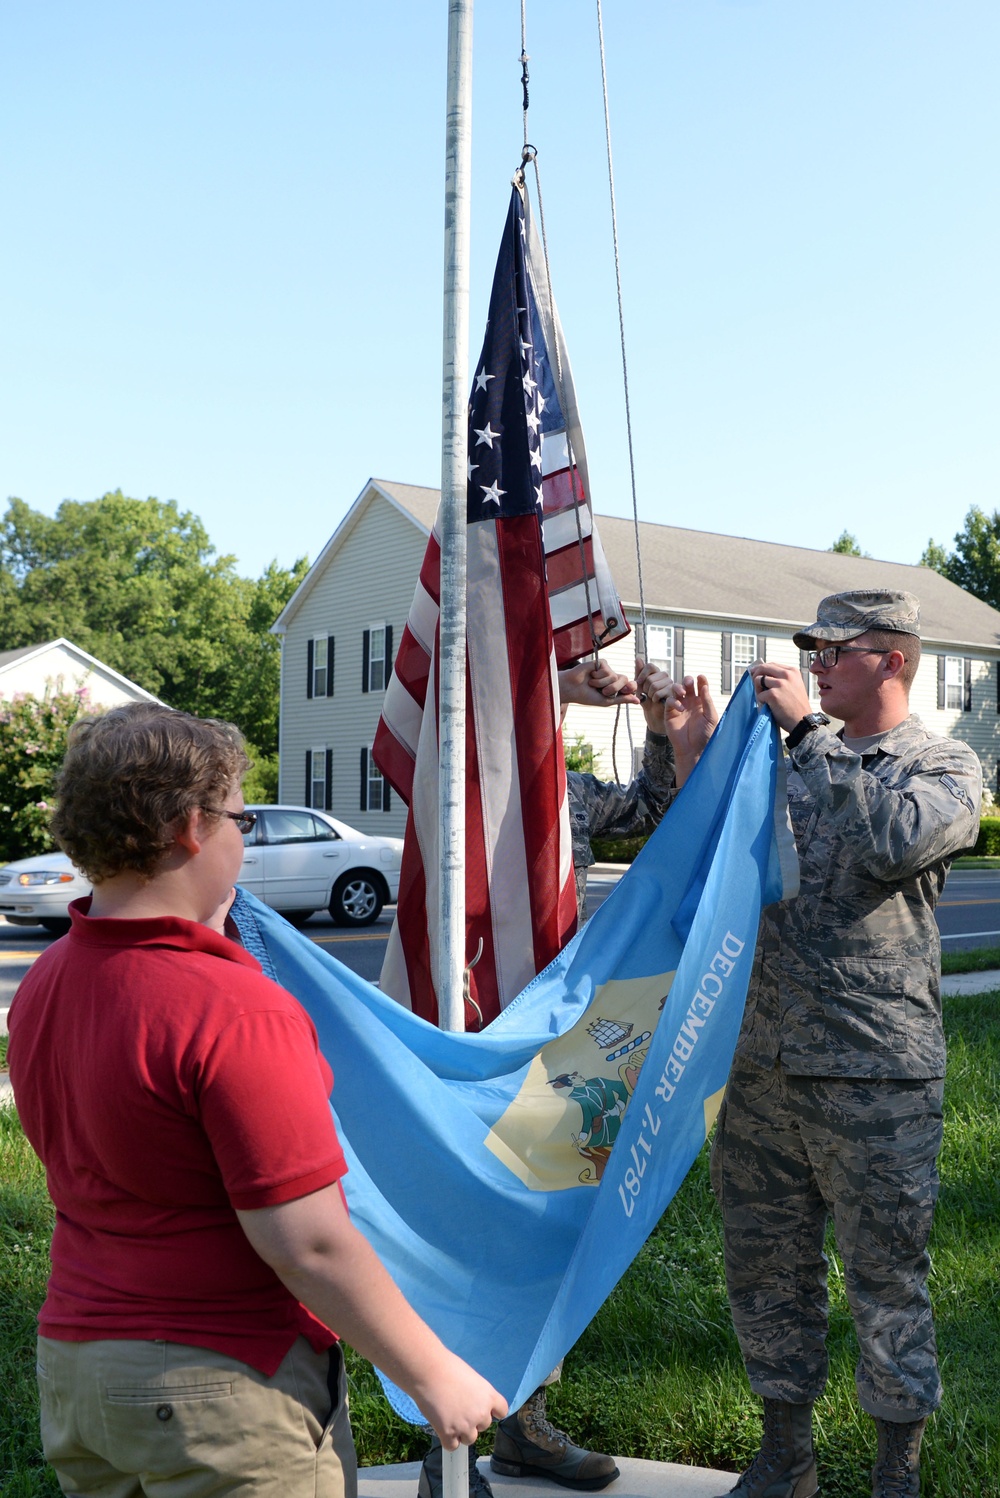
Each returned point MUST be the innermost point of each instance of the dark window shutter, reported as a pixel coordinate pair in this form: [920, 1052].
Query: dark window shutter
[940, 681]
[385, 794]
[677, 665]
[366, 645]
[309, 778]
[328, 796]
[388, 654]
[309, 672]
[364, 768]
[727, 660]
[329, 665]
[967, 681]
[804, 667]
[998, 686]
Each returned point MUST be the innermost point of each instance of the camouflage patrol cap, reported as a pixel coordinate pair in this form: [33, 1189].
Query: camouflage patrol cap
[844, 616]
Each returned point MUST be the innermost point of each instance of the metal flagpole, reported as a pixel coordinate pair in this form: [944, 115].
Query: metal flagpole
[454, 480]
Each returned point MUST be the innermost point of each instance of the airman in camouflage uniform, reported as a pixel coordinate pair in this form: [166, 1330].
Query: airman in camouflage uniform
[834, 1103]
[603, 808]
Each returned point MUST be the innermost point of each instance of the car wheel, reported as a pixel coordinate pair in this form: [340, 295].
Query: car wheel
[297, 917]
[357, 899]
[56, 927]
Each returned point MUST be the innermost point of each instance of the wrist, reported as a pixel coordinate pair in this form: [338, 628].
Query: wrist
[806, 725]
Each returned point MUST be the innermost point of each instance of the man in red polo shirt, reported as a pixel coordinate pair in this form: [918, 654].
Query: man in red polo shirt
[203, 1257]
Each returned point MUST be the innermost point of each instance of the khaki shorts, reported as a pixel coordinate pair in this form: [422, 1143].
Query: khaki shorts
[121, 1419]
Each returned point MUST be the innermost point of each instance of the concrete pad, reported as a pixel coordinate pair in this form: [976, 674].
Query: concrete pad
[971, 982]
[638, 1479]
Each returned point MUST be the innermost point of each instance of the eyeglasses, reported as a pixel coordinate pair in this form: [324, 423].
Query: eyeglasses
[830, 654]
[245, 821]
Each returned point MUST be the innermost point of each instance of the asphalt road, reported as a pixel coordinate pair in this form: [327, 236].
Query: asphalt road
[968, 916]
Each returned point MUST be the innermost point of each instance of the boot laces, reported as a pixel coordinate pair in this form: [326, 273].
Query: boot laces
[894, 1471]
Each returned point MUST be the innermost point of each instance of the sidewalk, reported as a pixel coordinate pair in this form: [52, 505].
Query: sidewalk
[638, 1479]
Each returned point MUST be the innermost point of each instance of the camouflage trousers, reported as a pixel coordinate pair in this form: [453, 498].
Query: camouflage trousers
[789, 1153]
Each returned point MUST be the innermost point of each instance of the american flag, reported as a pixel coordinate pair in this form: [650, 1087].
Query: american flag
[535, 563]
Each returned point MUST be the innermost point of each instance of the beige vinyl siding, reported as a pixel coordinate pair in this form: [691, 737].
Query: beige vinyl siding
[369, 581]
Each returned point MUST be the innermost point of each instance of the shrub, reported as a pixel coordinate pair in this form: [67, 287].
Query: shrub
[988, 841]
[33, 734]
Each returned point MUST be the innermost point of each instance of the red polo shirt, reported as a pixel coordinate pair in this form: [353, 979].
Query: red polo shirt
[164, 1082]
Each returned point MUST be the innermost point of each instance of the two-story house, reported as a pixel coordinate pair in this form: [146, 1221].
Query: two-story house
[713, 604]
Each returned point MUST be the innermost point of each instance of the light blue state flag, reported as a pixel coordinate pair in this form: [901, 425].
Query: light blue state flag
[507, 1179]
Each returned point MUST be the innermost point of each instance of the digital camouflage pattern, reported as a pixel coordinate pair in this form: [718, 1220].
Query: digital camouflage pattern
[834, 1103]
[846, 978]
[785, 1148]
[844, 616]
[603, 808]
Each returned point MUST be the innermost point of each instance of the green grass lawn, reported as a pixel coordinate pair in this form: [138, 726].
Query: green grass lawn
[658, 1373]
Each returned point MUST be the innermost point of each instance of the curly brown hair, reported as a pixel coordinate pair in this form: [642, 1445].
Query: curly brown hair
[131, 776]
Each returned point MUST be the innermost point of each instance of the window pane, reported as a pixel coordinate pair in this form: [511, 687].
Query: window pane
[319, 666]
[954, 677]
[661, 645]
[374, 785]
[376, 661]
[288, 826]
[744, 654]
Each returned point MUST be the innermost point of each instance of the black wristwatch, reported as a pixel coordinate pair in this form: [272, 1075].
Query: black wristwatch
[803, 726]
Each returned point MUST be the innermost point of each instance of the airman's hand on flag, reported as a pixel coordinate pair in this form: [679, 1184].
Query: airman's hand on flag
[781, 689]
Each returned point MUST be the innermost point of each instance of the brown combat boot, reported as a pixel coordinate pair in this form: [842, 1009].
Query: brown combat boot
[527, 1444]
[896, 1473]
[785, 1466]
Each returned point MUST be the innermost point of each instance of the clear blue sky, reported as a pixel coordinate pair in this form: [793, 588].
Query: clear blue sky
[222, 255]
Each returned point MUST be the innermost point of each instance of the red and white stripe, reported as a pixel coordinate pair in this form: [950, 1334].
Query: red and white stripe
[520, 893]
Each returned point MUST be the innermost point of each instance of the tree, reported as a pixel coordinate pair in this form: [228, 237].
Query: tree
[138, 584]
[33, 736]
[935, 557]
[975, 562]
[847, 545]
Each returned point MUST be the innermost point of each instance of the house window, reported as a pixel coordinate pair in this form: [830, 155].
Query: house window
[376, 661]
[319, 666]
[374, 789]
[744, 654]
[376, 785]
[376, 658]
[317, 777]
[738, 652]
[661, 645]
[954, 681]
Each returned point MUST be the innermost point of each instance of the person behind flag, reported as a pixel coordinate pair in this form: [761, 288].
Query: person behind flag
[680, 719]
[605, 808]
[833, 1106]
[203, 1254]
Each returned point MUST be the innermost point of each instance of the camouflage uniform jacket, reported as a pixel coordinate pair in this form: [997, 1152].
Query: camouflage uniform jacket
[603, 808]
[846, 977]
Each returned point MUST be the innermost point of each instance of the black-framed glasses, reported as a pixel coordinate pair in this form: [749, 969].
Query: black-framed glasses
[830, 654]
[245, 821]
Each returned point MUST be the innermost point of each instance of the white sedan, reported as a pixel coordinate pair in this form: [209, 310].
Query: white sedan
[296, 860]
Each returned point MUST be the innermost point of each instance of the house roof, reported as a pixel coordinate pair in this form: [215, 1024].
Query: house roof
[712, 576]
[9, 657]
